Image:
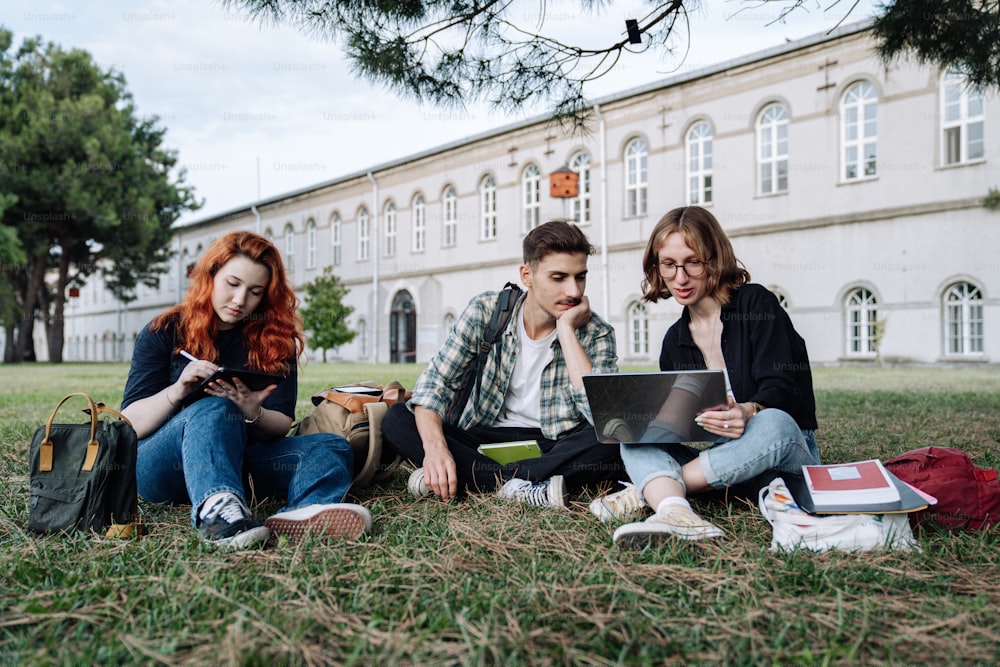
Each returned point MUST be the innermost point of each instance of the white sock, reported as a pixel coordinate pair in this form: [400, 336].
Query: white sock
[672, 500]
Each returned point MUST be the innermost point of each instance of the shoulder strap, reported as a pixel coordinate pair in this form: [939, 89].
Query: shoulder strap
[493, 334]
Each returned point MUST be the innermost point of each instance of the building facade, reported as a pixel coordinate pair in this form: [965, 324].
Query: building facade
[859, 193]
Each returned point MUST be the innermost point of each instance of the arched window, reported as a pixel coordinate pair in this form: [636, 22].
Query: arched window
[636, 162]
[772, 150]
[289, 248]
[862, 320]
[963, 116]
[859, 131]
[390, 230]
[419, 224]
[364, 235]
[780, 295]
[488, 209]
[638, 329]
[336, 239]
[699, 163]
[449, 322]
[580, 163]
[963, 319]
[362, 339]
[311, 244]
[449, 236]
[531, 192]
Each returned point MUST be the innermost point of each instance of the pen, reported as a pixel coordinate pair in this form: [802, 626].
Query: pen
[185, 353]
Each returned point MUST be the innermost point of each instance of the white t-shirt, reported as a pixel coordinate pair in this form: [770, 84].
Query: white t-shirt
[520, 405]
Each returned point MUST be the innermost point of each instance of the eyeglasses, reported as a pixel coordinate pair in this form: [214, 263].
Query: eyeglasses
[694, 268]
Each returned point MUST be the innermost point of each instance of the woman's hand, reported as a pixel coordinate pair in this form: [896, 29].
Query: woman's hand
[729, 423]
[249, 402]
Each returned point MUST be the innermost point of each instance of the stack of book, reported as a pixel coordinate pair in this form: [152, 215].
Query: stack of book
[860, 487]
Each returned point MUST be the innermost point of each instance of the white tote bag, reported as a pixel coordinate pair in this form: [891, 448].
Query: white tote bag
[794, 528]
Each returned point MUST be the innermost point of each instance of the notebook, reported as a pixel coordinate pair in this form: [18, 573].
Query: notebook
[623, 404]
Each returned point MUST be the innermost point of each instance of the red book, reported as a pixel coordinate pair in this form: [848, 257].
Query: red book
[857, 483]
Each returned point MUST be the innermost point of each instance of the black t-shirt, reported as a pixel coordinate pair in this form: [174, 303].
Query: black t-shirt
[155, 366]
[765, 357]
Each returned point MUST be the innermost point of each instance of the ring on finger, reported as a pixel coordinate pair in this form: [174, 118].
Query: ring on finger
[725, 424]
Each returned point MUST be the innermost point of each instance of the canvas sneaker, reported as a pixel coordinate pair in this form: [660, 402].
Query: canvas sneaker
[550, 493]
[415, 484]
[344, 520]
[229, 523]
[676, 520]
[620, 505]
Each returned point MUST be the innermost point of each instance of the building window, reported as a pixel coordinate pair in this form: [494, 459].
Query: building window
[859, 131]
[289, 248]
[449, 237]
[531, 191]
[636, 158]
[699, 164]
[962, 120]
[390, 230]
[311, 244]
[488, 209]
[580, 163]
[336, 239]
[419, 224]
[772, 150]
[362, 339]
[862, 318]
[364, 235]
[963, 319]
[638, 329]
[780, 296]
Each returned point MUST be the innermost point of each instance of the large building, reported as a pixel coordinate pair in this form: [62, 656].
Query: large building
[859, 193]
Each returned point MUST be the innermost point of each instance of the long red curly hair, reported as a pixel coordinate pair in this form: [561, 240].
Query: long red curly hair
[274, 328]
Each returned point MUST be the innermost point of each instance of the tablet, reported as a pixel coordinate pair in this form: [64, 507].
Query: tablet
[255, 380]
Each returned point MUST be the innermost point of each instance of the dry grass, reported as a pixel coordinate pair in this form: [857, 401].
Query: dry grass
[485, 582]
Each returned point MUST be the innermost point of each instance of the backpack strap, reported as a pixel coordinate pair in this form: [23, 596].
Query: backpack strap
[493, 335]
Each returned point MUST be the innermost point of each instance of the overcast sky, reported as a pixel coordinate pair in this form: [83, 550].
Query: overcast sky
[239, 99]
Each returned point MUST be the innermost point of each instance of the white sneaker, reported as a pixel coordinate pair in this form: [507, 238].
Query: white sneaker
[676, 520]
[618, 505]
[345, 520]
[549, 493]
[415, 484]
[229, 523]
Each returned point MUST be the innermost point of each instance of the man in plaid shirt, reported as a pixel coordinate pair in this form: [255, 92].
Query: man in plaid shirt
[531, 390]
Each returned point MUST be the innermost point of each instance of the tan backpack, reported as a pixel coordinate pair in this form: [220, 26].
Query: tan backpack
[355, 412]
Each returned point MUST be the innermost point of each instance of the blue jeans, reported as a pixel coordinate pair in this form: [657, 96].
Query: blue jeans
[772, 441]
[203, 450]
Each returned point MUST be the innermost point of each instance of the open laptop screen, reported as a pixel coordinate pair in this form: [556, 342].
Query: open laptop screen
[624, 404]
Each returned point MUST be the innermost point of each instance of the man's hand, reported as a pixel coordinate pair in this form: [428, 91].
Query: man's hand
[577, 316]
[440, 474]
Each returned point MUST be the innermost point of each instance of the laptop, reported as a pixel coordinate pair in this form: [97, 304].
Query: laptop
[624, 404]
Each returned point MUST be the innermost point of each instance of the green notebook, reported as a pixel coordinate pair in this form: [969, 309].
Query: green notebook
[509, 452]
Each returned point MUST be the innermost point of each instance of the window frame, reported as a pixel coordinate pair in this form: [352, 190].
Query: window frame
[636, 177]
[419, 208]
[965, 96]
[699, 163]
[962, 332]
[487, 209]
[857, 103]
[772, 138]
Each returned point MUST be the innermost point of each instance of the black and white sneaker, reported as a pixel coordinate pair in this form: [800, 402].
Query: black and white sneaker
[549, 493]
[230, 524]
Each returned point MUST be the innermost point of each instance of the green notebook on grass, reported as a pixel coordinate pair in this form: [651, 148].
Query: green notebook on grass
[509, 452]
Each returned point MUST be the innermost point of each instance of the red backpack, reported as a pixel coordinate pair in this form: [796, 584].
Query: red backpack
[968, 497]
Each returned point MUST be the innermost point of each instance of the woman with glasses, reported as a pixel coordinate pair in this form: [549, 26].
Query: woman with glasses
[735, 326]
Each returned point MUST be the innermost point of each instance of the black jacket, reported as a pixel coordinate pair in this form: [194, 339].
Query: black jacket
[765, 357]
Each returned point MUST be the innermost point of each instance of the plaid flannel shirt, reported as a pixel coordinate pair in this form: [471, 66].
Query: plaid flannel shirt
[562, 406]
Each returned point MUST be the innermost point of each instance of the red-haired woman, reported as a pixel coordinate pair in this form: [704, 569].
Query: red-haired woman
[240, 313]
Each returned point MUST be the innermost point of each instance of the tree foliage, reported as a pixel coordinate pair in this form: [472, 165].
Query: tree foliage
[963, 35]
[91, 184]
[324, 317]
[454, 52]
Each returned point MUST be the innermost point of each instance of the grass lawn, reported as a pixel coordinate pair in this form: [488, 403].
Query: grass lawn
[484, 581]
